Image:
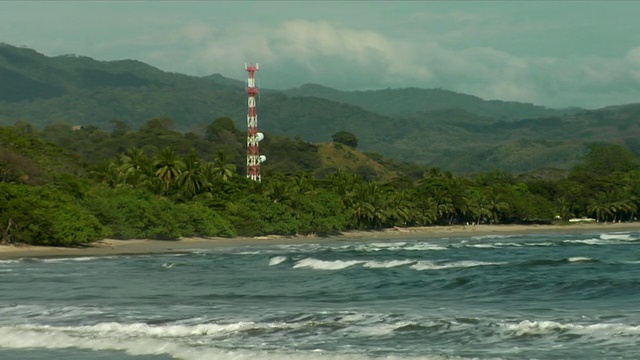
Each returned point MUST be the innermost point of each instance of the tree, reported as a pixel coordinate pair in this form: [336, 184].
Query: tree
[192, 179]
[600, 205]
[119, 128]
[221, 168]
[136, 167]
[346, 138]
[168, 166]
[604, 159]
[219, 125]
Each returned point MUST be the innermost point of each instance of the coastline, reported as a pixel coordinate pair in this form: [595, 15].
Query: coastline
[112, 247]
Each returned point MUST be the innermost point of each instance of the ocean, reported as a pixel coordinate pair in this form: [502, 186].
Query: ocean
[528, 296]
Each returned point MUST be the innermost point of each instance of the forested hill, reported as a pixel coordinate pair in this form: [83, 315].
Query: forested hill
[412, 100]
[430, 127]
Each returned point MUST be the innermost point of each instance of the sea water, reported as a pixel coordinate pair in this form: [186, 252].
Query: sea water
[535, 296]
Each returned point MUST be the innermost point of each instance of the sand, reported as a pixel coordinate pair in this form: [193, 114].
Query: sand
[111, 247]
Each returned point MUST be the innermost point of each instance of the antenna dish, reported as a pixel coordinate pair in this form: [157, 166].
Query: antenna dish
[263, 158]
[259, 136]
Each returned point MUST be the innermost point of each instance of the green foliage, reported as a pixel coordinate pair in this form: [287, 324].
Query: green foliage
[321, 213]
[46, 216]
[345, 137]
[131, 214]
[603, 159]
[258, 215]
[199, 220]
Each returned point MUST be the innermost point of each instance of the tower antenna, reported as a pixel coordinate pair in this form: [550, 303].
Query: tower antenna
[253, 136]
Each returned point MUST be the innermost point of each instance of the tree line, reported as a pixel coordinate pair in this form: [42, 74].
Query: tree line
[59, 187]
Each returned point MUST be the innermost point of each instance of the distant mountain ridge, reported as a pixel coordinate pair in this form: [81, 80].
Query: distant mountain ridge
[413, 100]
[433, 127]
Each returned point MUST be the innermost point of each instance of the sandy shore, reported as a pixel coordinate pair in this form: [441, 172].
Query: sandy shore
[110, 247]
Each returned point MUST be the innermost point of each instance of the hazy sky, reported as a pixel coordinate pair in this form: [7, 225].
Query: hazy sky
[549, 53]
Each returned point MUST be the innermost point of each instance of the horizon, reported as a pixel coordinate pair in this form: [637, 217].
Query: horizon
[557, 55]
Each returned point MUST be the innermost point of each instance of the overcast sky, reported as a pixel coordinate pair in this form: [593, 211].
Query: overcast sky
[548, 53]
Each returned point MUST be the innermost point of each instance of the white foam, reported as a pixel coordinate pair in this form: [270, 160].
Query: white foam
[430, 265]
[484, 237]
[425, 247]
[618, 236]
[326, 265]
[276, 260]
[22, 337]
[79, 258]
[389, 244]
[483, 246]
[157, 331]
[592, 241]
[2, 262]
[603, 330]
[580, 259]
[387, 264]
[540, 244]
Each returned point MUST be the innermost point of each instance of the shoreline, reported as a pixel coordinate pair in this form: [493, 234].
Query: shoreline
[112, 247]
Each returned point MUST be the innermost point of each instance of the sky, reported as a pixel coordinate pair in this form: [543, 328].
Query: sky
[551, 53]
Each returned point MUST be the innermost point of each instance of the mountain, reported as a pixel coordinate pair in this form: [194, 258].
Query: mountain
[432, 127]
[414, 100]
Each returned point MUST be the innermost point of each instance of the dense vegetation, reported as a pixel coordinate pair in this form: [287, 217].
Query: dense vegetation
[430, 127]
[64, 187]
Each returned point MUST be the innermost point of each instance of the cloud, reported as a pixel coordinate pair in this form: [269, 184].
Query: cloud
[456, 50]
[297, 52]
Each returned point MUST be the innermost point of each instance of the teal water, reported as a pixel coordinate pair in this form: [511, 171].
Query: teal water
[536, 296]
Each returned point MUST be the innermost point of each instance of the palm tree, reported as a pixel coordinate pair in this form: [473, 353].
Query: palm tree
[106, 173]
[361, 201]
[621, 202]
[192, 179]
[280, 192]
[479, 207]
[222, 168]
[168, 166]
[303, 183]
[401, 210]
[563, 208]
[136, 167]
[495, 205]
[600, 206]
[426, 210]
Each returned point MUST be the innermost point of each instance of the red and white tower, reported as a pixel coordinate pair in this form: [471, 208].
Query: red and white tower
[253, 136]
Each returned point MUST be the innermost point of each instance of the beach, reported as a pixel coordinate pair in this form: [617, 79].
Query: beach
[111, 247]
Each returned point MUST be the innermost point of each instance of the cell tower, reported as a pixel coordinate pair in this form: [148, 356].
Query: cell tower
[253, 136]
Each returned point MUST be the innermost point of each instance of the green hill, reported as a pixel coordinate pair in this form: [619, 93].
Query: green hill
[430, 127]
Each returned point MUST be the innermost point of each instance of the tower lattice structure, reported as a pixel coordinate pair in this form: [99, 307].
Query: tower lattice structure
[253, 136]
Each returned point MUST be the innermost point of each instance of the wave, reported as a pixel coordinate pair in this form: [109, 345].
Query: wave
[605, 239]
[421, 265]
[624, 236]
[316, 264]
[78, 258]
[3, 262]
[387, 264]
[326, 265]
[485, 237]
[430, 265]
[600, 330]
[16, 313]
[101, 337]
[395, 246]
[277, 260]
